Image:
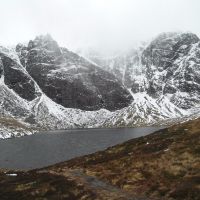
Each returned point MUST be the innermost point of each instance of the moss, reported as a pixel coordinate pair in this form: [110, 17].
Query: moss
[169, 175]
[187, 189]
[26, 186]
[196, 150]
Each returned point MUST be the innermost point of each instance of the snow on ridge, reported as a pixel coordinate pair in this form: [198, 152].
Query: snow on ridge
[67, 117]
[41, 111]
[10, 52]
[144, 110]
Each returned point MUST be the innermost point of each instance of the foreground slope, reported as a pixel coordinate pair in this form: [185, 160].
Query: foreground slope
[162, 165]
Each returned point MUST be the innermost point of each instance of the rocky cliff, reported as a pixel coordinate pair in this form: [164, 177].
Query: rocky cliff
[50, 87]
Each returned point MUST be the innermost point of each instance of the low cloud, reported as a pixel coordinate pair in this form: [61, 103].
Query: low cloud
[96, 23]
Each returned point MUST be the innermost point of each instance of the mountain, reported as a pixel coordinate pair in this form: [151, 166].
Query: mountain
[163, 165]
[69, 79]
[45, 86]
[163, 77]
[49, 87]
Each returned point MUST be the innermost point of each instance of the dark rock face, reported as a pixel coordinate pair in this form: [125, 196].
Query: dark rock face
[166, 48]
[126, 67]
[70, 80]
[168, 64]
[1, 68]
[22, 53]
[17, 79]
[122, 66]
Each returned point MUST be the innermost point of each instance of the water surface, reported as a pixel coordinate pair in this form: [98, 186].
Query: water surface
[47, 148]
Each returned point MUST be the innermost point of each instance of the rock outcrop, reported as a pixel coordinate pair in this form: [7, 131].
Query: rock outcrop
[70, 80]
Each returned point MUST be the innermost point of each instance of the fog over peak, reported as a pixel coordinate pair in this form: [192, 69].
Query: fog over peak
[102, 24]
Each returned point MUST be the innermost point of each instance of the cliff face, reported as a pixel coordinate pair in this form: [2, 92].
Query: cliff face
[69, 79]
[51, 87]
[162, 76]
[172, 68]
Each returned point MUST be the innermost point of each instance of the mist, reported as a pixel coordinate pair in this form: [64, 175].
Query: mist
[102, 24]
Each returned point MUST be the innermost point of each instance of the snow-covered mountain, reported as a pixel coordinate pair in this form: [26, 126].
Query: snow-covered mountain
[163, 77]
[44, 86]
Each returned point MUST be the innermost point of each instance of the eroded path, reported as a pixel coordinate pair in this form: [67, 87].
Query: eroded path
[66, 184]
[101, 189]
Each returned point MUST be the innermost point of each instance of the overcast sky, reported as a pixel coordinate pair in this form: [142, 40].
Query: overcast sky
[99, 23]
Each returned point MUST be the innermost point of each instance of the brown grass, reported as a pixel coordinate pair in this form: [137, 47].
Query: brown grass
[162, 165]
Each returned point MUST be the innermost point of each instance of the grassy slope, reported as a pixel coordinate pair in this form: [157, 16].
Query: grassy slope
[163, 165]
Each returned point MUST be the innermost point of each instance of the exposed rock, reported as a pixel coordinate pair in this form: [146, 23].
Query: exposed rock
[70, 80]
[47, 85]
[168, 66]
[17, 79]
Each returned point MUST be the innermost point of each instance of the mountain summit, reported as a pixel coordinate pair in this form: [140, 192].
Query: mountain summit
[70, 80]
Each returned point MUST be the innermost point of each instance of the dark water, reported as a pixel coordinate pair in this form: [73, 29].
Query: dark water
[44, 149]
